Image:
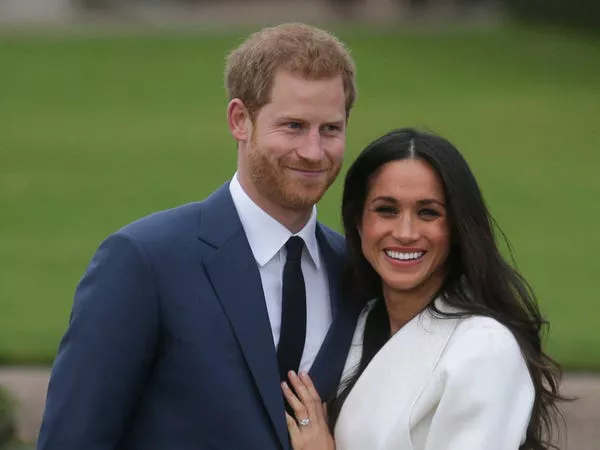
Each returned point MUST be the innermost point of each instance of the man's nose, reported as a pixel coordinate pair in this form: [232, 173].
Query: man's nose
[312, 148]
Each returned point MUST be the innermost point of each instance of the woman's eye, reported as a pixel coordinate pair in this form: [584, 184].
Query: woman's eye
[385, 210]
[429, 213]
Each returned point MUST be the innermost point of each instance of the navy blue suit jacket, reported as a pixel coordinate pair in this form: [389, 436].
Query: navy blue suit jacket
[169, 345]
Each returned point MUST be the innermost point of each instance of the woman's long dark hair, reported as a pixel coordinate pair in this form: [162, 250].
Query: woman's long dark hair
[479, 281]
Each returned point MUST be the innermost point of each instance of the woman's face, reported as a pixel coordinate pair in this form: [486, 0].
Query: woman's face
[404, 230]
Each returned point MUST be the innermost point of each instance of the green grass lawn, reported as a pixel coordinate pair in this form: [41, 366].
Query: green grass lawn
[98, 131]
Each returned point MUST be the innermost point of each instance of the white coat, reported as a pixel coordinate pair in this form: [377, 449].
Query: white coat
[438, 384]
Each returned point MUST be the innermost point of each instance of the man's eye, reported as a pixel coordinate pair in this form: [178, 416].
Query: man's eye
[294, 125]
[332, 128]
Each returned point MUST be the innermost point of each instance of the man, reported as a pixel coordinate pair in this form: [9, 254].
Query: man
[187, 320]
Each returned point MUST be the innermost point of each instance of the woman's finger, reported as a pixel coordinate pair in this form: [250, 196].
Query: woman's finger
[300, 410]
[313, 394]
[307, 380]
[311, 402]
[292, 427]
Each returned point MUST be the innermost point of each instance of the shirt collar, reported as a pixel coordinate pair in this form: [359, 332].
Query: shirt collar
[266, 235]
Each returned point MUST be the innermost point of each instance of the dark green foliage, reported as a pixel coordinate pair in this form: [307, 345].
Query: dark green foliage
[7, 419]
[572, 13]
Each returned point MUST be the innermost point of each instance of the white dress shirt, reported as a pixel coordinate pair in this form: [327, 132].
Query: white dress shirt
[267, 238]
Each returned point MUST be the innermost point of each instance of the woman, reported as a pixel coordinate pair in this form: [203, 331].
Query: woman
[447, 354]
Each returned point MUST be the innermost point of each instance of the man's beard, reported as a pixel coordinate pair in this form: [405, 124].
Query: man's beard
[274, 180]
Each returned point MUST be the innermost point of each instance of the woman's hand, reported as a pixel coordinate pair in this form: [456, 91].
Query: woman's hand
[309, 430]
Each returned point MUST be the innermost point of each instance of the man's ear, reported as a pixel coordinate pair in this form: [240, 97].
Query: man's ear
[238, 119]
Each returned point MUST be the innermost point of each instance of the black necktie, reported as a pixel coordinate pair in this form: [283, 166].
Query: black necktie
[293, 310]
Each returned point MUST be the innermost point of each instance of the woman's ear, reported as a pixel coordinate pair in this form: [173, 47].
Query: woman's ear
[359, 228]
[238, 119]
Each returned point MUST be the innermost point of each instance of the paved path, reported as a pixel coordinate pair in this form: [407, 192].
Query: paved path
[28, 386]
[583, 415]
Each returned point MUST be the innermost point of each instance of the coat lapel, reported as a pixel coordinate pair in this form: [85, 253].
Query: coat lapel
[234, 275]
[383, 396]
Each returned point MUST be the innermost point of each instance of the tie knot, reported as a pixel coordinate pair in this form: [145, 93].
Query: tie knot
[294, 247]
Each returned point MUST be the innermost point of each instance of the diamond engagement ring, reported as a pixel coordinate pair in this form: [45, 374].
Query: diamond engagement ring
[304, 422]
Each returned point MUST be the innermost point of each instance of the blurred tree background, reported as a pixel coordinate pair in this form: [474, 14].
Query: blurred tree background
[571, 13]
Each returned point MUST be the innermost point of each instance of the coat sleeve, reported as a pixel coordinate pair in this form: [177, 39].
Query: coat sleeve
[487, 396]
[106, 353]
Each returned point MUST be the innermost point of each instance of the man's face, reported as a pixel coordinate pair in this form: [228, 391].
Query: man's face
[297, 141]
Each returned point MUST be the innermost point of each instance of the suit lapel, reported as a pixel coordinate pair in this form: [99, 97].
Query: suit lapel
[236, 280]
[327, 367]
